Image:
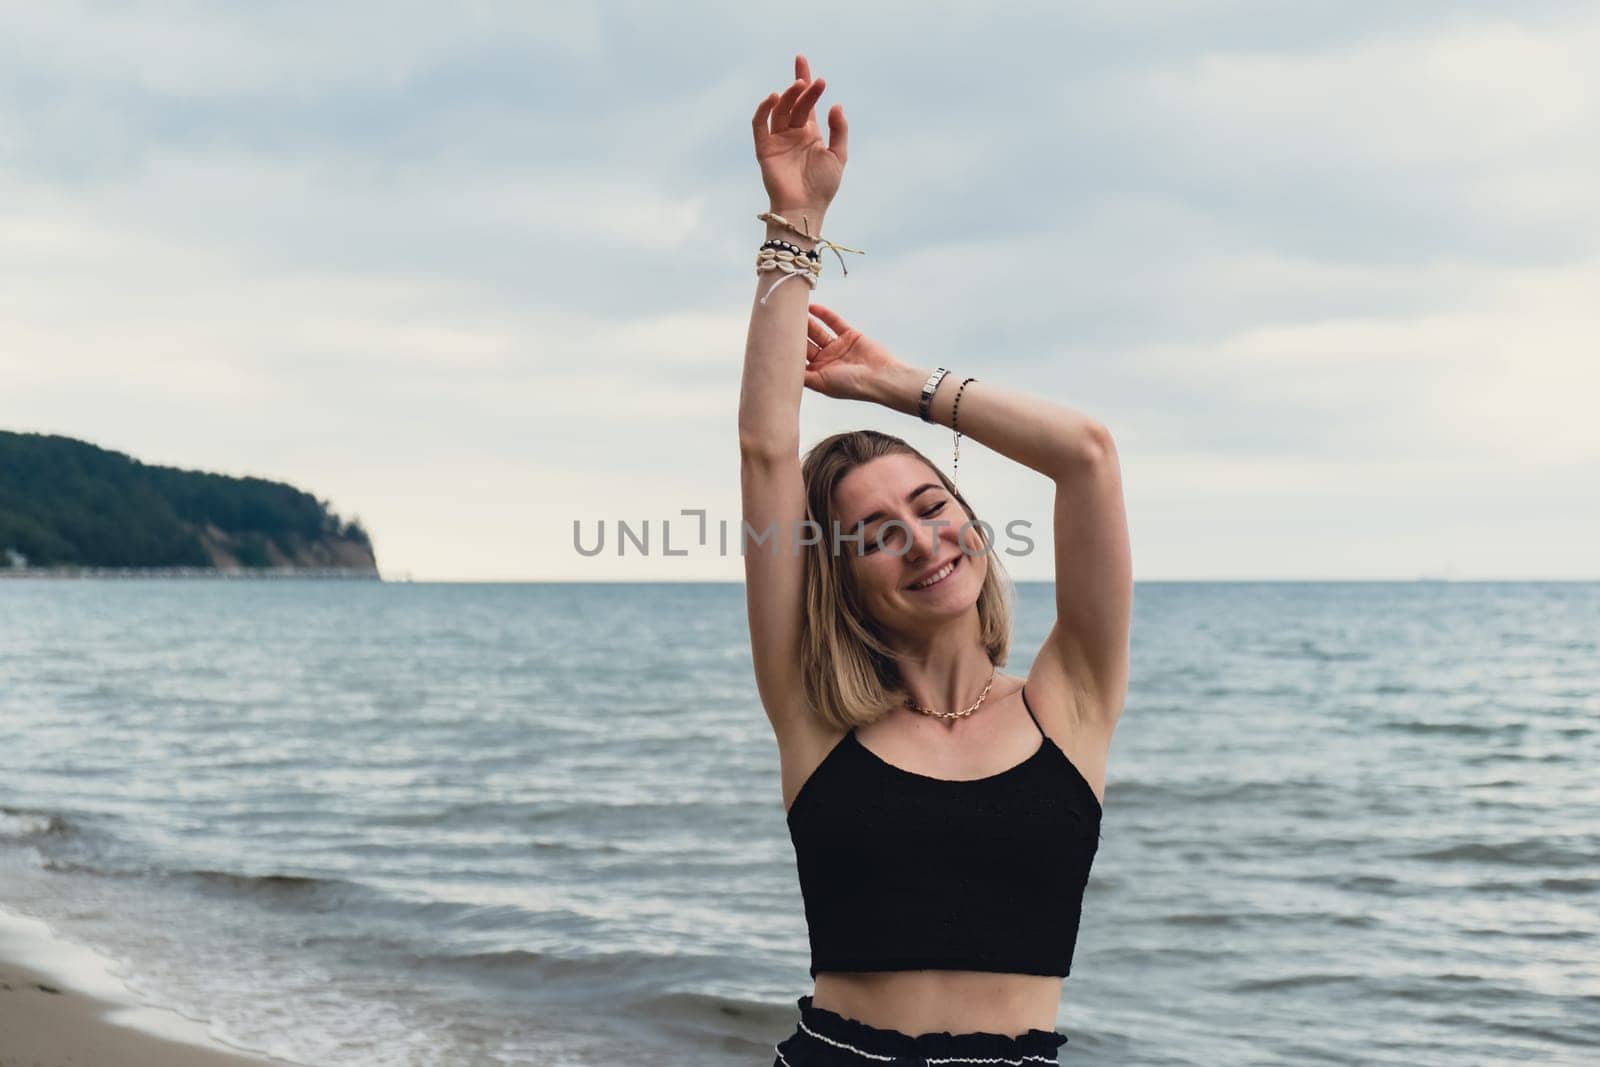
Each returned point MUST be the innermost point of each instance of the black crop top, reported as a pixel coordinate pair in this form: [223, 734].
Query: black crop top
[902, 872]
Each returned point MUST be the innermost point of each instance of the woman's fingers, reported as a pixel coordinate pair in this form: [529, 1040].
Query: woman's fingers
[831, 317]
[786, 102]
[792, 108]
[818, 335]
[800, 114]
[759, 120]
[839, 133]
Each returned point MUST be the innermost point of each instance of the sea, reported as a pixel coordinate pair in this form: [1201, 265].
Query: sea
[378, 824]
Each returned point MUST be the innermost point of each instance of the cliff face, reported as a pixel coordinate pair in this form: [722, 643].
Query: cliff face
[70, 505]
[224, 551]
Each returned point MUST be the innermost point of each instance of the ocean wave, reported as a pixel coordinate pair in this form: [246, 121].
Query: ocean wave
[1123, 790]
[28, 824]
[1310, 650]
[274, 886]
[1294, 981]
[1539, 886]
[711, 1017]
[525, 968]
[1257, 918]
[1528, 852]
[365, 904]
[1452, 729]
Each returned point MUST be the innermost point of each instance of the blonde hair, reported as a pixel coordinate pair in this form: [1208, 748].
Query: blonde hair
[851, 674]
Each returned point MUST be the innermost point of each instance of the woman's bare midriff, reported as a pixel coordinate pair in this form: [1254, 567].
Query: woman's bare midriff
[923, 1002]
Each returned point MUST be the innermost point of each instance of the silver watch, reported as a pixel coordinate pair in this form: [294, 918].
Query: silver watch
[928, 388]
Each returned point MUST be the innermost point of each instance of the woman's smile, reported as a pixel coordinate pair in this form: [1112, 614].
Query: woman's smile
[943, 575]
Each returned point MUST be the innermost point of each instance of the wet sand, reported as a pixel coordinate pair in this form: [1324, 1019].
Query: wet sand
[75, 1016]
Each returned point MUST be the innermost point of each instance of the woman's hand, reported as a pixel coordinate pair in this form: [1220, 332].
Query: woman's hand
[841, 361]
[798, 170]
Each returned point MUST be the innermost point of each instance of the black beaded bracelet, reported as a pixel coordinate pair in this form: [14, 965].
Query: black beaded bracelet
[809, 253]
[955, 410]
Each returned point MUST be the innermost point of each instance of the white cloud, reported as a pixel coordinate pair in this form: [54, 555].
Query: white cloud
[201, 50]
[1456, 96]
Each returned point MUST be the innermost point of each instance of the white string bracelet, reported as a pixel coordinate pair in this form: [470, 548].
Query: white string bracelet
[792, 266]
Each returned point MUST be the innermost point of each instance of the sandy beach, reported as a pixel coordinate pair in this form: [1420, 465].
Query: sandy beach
[60, 1006]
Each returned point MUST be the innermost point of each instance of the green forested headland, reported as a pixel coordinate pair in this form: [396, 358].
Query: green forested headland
[68, 503]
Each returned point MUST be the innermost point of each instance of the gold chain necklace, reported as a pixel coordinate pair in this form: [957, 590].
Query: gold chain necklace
[914, 706]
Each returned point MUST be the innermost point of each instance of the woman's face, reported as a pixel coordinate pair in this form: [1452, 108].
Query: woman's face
[902, 503]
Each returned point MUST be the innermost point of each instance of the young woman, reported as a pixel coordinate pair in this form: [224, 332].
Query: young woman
[944, 816]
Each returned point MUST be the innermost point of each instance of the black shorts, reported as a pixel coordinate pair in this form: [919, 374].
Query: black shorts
[827, 1039]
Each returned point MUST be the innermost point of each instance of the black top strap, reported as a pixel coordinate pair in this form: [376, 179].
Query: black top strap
[1031, 715]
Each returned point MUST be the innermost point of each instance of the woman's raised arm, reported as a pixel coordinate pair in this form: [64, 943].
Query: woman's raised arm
[1087, 650]
[801, 176]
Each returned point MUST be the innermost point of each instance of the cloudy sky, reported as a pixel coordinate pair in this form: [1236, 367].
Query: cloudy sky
[1327, 270]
